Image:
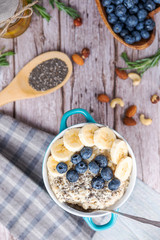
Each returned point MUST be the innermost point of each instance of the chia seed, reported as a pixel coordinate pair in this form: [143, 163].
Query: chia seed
[48, 74]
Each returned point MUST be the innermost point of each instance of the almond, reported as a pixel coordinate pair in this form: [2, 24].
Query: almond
[103, 98]
[131, 111]
[121, 74]
[129, 121]
[77, 59]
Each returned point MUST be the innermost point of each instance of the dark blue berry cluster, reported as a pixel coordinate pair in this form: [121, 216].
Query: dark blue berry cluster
[98, 166]
[129, 18]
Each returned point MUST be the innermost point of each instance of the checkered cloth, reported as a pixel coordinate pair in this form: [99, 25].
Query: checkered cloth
[25, 207]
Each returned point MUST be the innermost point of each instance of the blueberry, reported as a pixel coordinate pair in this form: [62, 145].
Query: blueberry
[76, 158]
[123, 18]
[93, 167]
[124, 32]
[140, 6]
[61, 167]
[101, 160]
[117, 28]
[157, 1]
[130, 28]
[133, 10]
[117, 2]
[137, 35]
[142, 14]
[110, 9]
[97, 183]
[114, 184]
[144, 1]
[145, 34]
[140, 26]
[81, 167]
[149, 5]
[129, 39]
[132, 21]
[107, 173]
[112, 18]
[72, 176]
[120, 10]
[86, 152]
[136, 1]
[105, 3]
[149, 24]
[129, 3]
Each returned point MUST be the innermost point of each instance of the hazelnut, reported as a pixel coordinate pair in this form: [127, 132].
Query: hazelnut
[155, 98]
[78, 22]
[85, 53]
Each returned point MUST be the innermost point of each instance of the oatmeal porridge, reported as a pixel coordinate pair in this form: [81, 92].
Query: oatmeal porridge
[89, 168]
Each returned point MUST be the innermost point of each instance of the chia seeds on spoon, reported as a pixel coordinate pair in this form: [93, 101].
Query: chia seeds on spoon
[48, 74]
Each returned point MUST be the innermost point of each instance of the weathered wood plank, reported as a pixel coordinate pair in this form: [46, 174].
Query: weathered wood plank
[7, 73]
[94, 77]
[144, 140]
[44, 112]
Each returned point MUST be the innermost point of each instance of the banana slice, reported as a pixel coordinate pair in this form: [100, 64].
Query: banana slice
[72, 141]
[123, 169]
[59, 152]
[86, 134]
[51, 166]
[118, 151]
[104, 138]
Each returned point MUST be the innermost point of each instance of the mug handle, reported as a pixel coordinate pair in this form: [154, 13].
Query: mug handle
[82, 111]
[96, 227]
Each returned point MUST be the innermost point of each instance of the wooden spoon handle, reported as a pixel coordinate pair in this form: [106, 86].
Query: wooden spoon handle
[10, 94]
[139, 219]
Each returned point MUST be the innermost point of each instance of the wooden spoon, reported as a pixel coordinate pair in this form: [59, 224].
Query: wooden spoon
[139, 45]
[19, 88]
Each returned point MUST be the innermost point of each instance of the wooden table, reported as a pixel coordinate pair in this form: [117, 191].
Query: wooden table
[95, 77]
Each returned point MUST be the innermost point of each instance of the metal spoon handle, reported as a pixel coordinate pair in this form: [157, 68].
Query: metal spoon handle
[139, 219]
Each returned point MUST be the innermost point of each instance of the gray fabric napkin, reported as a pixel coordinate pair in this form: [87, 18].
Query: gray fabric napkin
[25, 207]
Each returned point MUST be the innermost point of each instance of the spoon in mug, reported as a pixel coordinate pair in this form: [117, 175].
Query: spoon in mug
[139, 219]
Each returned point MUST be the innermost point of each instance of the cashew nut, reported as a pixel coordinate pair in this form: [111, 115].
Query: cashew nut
[135, 78]
[145, 121]
[117, 101]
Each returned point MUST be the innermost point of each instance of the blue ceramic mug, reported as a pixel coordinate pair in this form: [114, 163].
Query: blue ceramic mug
[87, 216]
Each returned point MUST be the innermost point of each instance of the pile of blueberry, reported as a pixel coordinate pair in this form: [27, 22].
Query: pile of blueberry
[97, 166]
[129, 18]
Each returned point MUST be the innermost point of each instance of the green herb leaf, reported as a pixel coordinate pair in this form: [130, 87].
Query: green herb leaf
[142, 65]
[52, 3]
[63, 7]
[39, 10]
[3, 60]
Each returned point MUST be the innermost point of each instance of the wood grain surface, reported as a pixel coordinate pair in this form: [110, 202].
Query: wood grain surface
[96, 76]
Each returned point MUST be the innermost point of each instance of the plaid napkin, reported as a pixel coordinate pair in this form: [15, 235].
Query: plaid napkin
[25, 207]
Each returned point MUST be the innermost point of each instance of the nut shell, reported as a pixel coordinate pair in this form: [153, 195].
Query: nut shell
[85, 53]
[103, 98]
[121, 74]
[131, 111]
[129, 121]
[77, 59]
[78, 22]
[155, 98]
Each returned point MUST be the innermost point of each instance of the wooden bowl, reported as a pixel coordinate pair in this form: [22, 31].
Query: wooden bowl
[139, 45]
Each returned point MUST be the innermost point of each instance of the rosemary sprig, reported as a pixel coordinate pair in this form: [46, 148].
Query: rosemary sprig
[63, 7]
[39, 10]
[142, 65]
[3, 60]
